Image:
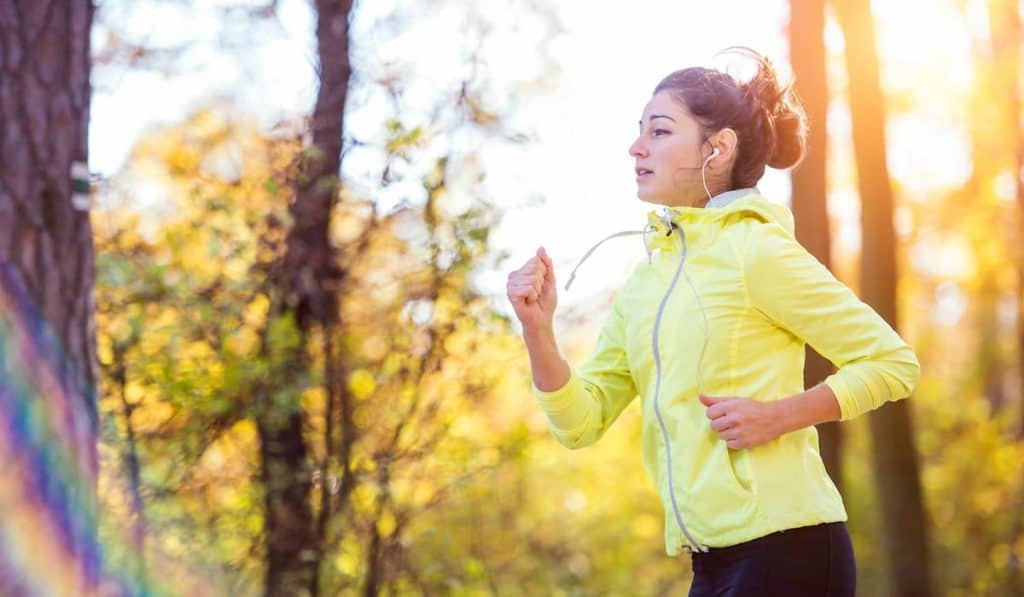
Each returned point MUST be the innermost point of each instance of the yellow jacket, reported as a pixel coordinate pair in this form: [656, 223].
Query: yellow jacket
[724, 307]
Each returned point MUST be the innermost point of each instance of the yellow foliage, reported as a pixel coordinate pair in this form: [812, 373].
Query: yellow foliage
[362, 384]
[386, 523]
[313, 399]
[243, 342]
[104, 350]
[348, 559]
[255, 312]
[135, 392]
[647, 527]
[149, 416]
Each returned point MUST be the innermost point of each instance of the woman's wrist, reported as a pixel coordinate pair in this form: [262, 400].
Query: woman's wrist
[538, 332]
[550, 371]
[812, 407]
[784, 416]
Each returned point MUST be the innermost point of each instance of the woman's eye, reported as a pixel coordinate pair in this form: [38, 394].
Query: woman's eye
[660, 132]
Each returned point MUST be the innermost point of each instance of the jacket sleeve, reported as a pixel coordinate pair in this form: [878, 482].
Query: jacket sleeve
[793, 289]
[586, 406]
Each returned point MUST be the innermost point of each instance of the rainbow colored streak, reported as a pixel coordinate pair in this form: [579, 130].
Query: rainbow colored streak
[48, 462]
[49, 541]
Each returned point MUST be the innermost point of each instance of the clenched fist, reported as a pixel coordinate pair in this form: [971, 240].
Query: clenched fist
[531, 290]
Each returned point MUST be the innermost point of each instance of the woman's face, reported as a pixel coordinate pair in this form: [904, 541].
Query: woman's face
[668, 154]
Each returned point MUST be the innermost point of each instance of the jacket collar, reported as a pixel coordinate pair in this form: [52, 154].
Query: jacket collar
[659, 224]
[657, 234]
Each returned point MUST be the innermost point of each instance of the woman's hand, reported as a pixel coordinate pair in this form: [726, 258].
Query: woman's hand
[745, 423]
[531, 290]
[742, 422]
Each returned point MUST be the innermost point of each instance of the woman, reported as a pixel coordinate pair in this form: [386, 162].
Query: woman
[710, 333]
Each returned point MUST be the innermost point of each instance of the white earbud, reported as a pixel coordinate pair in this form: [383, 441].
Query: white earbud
[714, 154]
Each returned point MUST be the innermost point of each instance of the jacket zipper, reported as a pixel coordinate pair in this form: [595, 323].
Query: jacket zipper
[693, 545]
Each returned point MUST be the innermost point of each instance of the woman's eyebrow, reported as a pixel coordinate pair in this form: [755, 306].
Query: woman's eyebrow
[653, 116]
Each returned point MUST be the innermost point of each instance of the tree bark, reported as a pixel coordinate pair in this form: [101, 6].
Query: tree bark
[810, 204]
[992, 138]
[134, 466]
[46, 249]
[894, 455]
[307, 286]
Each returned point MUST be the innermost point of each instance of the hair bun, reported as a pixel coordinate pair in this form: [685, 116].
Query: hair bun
[790, 137]
[784, 119]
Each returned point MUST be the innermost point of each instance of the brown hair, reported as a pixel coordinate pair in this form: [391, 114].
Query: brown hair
[767, 118]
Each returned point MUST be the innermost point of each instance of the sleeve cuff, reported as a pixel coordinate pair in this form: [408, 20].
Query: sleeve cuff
[560, 399]
[848, 407]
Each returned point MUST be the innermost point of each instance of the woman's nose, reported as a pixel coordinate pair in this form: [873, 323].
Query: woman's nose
[637, 149]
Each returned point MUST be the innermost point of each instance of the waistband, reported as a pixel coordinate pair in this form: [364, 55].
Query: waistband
[810, 537]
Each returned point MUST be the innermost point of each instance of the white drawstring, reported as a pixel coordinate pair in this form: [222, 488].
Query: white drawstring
[648, 228]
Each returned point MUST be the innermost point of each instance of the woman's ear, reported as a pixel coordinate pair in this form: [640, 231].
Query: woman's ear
[725, 141]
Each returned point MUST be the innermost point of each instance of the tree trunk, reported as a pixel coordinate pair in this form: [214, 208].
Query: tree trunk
[810, 205]
[46, 258]
[897, 478]
[373, 567]
[992, 137]
[133, 464]
[307, 280]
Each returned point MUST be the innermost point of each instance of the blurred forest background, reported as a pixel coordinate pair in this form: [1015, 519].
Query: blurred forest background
[240, 365]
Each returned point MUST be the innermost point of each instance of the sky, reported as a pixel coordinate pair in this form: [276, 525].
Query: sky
[573, 184]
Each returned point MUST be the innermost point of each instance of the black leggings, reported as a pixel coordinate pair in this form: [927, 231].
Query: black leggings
[816, 561]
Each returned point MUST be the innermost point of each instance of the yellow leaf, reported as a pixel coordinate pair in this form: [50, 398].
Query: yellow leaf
[361, 384]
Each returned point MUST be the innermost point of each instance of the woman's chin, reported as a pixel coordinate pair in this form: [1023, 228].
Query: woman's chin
[650, 198]
[646, 196]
